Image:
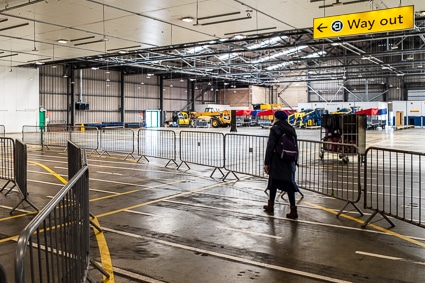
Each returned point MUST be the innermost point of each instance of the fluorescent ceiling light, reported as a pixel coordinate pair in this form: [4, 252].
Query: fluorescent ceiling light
[187, 19]
[239, 36]
[62, 41]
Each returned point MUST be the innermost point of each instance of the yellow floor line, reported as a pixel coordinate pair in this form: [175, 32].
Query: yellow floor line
[105, 256]
[50, 171]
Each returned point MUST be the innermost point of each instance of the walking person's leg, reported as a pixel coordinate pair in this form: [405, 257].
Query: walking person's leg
[269, 208]
[291, 188]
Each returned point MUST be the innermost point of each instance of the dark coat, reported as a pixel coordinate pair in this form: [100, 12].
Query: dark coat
[278, 168]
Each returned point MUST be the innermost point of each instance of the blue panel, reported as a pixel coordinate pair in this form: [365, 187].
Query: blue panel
[382, 111]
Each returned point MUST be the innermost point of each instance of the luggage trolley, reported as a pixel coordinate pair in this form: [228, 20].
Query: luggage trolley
[338, 130]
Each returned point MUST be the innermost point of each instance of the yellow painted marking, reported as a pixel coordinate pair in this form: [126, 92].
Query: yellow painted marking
[400, 18]
[17, 216]
[104, 253]
[13, 238]
[59, 177]
[386, 231]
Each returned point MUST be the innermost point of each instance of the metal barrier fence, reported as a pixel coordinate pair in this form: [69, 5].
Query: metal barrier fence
[119, 140]
[13, 168]
[55, 244]
[89, 138]
[20, 164]
[2, 131]
[245, 154]
[318, 170]
[329, 172]
[202, 148]
[7, 162]
[32, 135]
[157, 143]
[394, 184]
[56, 135]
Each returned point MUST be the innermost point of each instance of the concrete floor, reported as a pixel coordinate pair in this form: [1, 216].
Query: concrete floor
[164, 225]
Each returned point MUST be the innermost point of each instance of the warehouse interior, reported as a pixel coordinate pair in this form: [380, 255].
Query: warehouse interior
[168, 56]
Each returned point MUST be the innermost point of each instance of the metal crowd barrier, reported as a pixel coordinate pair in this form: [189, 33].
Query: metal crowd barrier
[54, 246]
[2, 131]
[245, 154]
[157, 143]
[13, 168]
[394, 183]
[202, 148]
[7, 162]
[330, 173]
[20, 164]
[119, 140]
[89, 138]
[318, 172]
[56, 135]
[32, 135]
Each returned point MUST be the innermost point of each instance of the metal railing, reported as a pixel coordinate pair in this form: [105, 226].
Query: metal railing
[244, 154]
[158, 144]
[324, 168]
[54, 246]
[32, 135]
[118, 140]
[7, 162]
[331, 169]
[13, 168]
[202, 148]
[394, 183]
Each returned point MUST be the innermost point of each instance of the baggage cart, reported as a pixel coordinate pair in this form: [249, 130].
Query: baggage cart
[343, 134]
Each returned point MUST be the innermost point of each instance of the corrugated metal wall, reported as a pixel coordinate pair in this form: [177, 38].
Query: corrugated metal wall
[101, 90]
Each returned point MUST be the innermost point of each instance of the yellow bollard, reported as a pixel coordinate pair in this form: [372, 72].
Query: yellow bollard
[82, 127]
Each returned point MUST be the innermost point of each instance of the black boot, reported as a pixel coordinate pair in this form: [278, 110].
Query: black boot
[293, 214]
[269, 208]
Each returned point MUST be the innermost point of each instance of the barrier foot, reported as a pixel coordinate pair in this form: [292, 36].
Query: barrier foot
[130, 154]
[373, 215]
[354, 205]
[94, 224]
[27, 201]
[105, 151]
[98, 267]
[215, 169]
[143, 156]
[171, 160]
[237, 178]
[10, 190]
[5, 186]
[183, 162]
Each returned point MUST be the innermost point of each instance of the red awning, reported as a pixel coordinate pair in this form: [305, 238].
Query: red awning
[266, 112]
[369, 111]
[243, 112]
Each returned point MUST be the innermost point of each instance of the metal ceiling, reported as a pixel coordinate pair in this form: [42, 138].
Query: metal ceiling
[240, 41]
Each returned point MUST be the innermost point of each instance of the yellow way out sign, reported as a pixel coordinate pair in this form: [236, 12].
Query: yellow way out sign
[363, 23]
